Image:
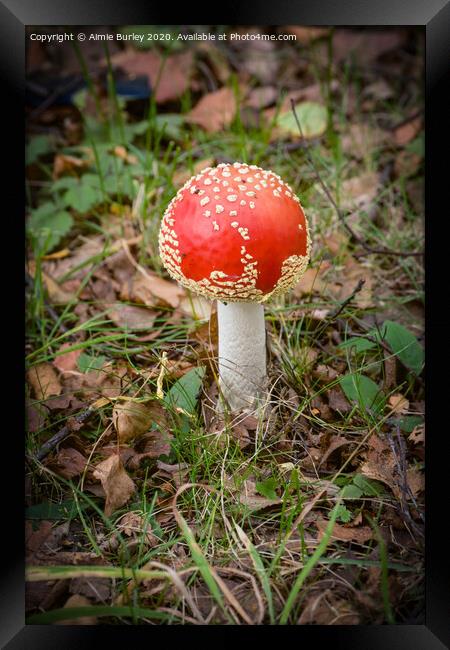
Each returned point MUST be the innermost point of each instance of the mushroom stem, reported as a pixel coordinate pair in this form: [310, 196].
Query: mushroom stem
[242, 353]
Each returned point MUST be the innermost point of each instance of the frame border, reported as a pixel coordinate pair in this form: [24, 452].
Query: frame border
[434, 15]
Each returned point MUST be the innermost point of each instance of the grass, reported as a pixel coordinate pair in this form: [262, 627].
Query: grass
[213, 558]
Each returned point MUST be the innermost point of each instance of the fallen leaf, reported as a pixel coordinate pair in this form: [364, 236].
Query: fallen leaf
[250, 498]
[67, 361]
[44, 381]
[312, 280]
[381, 465]
[68, 463]
[155, 444]
[131, 419]
[152, 290]
[416, 481]
[36, 416]
[134, 525]
[325, 608]
[215, 111]
[77, 601]
[34, 538]
[418, 434]
[406, 132]
[116, 483]
[398, 403]
[169, 76]
[337, 400]
[132, 318]
[65, 164]
[312, 116]
[360, 534]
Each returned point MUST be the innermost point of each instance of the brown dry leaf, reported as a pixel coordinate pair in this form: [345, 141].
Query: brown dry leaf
[418, 434]
[67, 361]
[357, 534]
[115, 481]
[34, 538]
[90, 248]
[64, 164]
[36, 416]
[169, 78]
[151, 290]
[365, 45]
[156, 444]
[398, 403]
[214, 111]
[68, 463]
[78, 601]
[306, 35]
[250, 498]
[180, 178]
[134, 525]
[337, 400]
[131, 419]
[131, 318]
[325, 608]
[335, 443]
[312, 280]
[57, 295]
[381, 465]
[44, 381]
[407, 132]
[416, 481]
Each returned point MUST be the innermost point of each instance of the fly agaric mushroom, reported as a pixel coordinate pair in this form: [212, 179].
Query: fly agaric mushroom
[238, 234]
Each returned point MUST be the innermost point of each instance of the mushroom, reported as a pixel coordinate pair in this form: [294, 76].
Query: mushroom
[238, 234]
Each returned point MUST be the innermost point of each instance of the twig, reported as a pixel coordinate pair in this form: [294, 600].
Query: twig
[344, 303]
[341, 217]
[63, 433]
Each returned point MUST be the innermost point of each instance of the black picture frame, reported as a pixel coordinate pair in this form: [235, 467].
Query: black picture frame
[434, 16]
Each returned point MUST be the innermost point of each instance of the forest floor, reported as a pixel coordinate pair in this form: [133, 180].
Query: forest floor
[142, 505]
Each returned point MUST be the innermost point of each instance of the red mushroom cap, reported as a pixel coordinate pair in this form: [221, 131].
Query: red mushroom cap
[236, 233]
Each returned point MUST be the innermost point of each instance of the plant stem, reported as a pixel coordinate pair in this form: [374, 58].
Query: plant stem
[242, 353]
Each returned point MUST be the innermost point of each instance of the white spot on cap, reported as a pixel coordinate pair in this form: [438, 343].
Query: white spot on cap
[219, 209]
[207, 213]
[204, 200]
[232, 198]
[216, 189]
[243, 202]
[207, 181]
[233, 213]
[235, 224]
[251, 204]
[215, 225]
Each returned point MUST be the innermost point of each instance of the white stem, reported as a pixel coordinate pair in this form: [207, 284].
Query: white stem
[242, 353]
